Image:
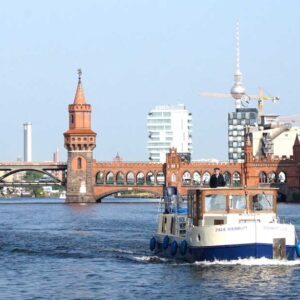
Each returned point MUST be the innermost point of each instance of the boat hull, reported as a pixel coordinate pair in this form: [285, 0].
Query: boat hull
[227, 252]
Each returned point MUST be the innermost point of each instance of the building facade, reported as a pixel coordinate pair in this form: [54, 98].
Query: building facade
[274, 138]
[237, 122]
[169, 126]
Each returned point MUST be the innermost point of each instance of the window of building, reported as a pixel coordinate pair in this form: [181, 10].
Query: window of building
[236, 179]
[262, 177]
[79, 163]
[155, 114]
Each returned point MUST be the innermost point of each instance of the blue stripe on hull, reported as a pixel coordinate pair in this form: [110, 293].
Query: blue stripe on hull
[230, 252]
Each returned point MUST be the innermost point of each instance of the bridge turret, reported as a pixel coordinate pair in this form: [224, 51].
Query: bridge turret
[80, 141]
[296, 149]
[248, 148]
[173, 162]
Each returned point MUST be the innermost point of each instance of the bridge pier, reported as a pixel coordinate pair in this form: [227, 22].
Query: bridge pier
[84, 198]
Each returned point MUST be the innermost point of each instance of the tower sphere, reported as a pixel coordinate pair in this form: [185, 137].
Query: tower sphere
[237, 91]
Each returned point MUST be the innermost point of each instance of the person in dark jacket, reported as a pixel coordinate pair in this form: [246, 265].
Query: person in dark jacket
[217, 179]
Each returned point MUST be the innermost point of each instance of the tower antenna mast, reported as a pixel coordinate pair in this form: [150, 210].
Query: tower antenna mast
[238, 90]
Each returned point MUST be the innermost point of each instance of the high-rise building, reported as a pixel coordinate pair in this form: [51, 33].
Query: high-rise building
[169, 126]
[274, 138]
[237, 122]
[27, 141]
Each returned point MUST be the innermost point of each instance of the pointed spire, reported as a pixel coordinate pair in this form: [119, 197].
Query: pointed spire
[248, 140]
[79, 96]
[297, 141]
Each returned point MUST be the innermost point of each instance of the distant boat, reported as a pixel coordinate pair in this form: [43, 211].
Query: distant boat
[63, 195]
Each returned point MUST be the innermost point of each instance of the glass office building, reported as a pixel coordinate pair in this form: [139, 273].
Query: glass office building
[169, 126]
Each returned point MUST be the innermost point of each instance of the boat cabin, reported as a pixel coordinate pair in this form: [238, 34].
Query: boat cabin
[218, 206]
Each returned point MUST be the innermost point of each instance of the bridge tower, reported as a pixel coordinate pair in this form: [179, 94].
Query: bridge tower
[80, 141]
[247, 177]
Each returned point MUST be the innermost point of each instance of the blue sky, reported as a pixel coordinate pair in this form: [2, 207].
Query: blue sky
[135, 55]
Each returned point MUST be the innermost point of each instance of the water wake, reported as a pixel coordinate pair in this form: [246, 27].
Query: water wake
[149, 259]
[251, 262]
[114, 250]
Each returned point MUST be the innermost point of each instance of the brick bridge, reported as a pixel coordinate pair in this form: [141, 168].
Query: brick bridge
[89, 180]
[118, 176]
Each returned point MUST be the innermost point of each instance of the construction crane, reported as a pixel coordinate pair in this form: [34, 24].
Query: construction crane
[245, 99]
[290, 119]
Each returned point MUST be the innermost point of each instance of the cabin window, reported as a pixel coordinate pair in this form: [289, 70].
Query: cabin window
[193, 210]
[237, 202]
[218, 222]
[164, 224]
[263, 202]
[79, 163]
[215, 203]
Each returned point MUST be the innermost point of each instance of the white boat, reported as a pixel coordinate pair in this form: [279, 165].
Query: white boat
[224, 224]
[63, 195]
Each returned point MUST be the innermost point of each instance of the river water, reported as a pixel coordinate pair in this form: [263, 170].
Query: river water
[50, 250]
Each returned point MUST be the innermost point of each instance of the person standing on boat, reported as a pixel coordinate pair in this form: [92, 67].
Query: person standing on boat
[217, 179]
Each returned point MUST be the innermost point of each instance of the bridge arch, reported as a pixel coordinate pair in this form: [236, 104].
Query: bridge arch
[120, 178]
[110, 178]
[206, 178]
[150, 178]
[130, 178]
[282, 177]
[236, 178]
[196, 178]
[157, 192]
[263, 177]
[272, 177]
[140, 178]
[9, 173]
[160, 178]
[100, 177]
[227, 178]
[186, 178]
